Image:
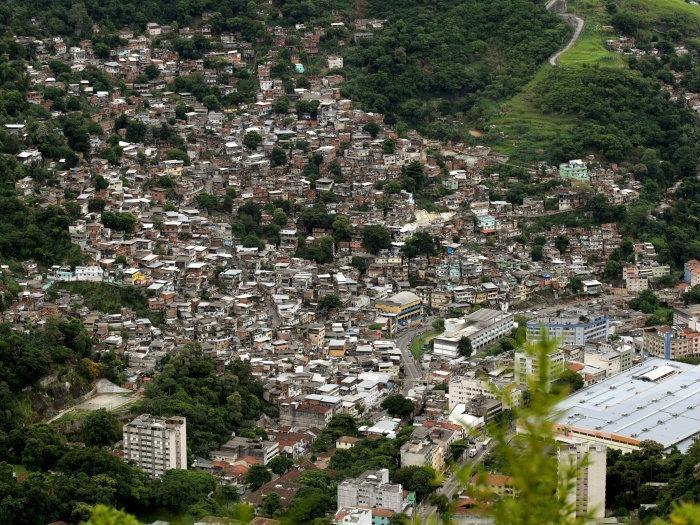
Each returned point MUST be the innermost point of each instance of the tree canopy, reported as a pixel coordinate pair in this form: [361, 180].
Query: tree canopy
[214, 404]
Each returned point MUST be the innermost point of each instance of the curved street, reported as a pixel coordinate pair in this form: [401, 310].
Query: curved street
[575, 21]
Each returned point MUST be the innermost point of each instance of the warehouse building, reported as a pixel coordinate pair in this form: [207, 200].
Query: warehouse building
[657, 400]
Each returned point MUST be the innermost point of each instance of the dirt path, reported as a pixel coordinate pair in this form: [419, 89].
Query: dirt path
[576, 22]
[104, 395]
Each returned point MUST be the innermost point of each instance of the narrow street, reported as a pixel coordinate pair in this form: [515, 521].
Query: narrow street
[449, 488]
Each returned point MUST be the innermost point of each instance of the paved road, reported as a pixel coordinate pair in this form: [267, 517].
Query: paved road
[449, 488]
[576, 22]
[412, 370]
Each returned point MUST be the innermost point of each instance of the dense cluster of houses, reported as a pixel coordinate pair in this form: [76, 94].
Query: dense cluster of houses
[201, 283]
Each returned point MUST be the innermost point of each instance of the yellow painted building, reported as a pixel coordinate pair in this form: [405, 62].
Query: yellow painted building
[405, 308]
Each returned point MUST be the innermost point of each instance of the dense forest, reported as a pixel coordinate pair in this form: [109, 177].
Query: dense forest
[28, 231]
[450, 57]
[67, 17]
[651, 478]
[433, 64]
[61, 349]
[59, 480]
[110, 298]
[625, 117]
[215, 404]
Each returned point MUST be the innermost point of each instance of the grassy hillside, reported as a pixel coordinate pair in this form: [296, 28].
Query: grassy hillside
[439, 63]
[590, 48]
[520, 129]
[527, 130]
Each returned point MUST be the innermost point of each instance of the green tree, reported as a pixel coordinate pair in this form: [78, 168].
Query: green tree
[612, 271]
[181, 111]
[257, 476]
[685, 513]
[80, 20]
[536, 252]
[178, 489]
[151, 71]
[375, 238]
[278, 157]
[101, 50]
[388, 147]
[458, 448]
[280, 464]
[329, 302]
[421, 480]
[307, 108]
[372, 129]
[208, 202]
[279, 217]
[360, 263]
[100, 182]
[104, 515]
[252, 140]
[281, 105]
[96, 205]
[464, 347]
[647, 302]
[252, 241]
[271, 505]
[570, 381]
[121, 221]
[101, 429]
[420, 243]
[575, 284]
[212, 102]
[398, 406]
[692, 296]
[342, 229]
[561, 243]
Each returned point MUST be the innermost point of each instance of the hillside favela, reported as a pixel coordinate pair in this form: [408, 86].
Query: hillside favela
[349, 262]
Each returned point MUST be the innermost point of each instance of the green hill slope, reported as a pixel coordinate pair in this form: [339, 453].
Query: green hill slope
[530, 127]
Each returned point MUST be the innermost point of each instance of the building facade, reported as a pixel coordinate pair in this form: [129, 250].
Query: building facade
[371, 490]
[691, 272]
[403, 309]
[671, 342]
[589, 461]
[156, 444]
[482, 328]
[526, 366]
[574, 169]
[571, 327]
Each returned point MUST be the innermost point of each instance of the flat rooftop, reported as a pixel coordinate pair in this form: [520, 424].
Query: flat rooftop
[658, 400]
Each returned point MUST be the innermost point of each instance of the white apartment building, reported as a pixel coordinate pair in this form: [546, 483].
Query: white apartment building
[572, 327]
[156, 444]
[89, 273]
[591, 461]
[482, 328]
[526, 366]
[422, 452]
[463, 390]
[335, 62]
[466, 388]
[612, 360]
[371, 490]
